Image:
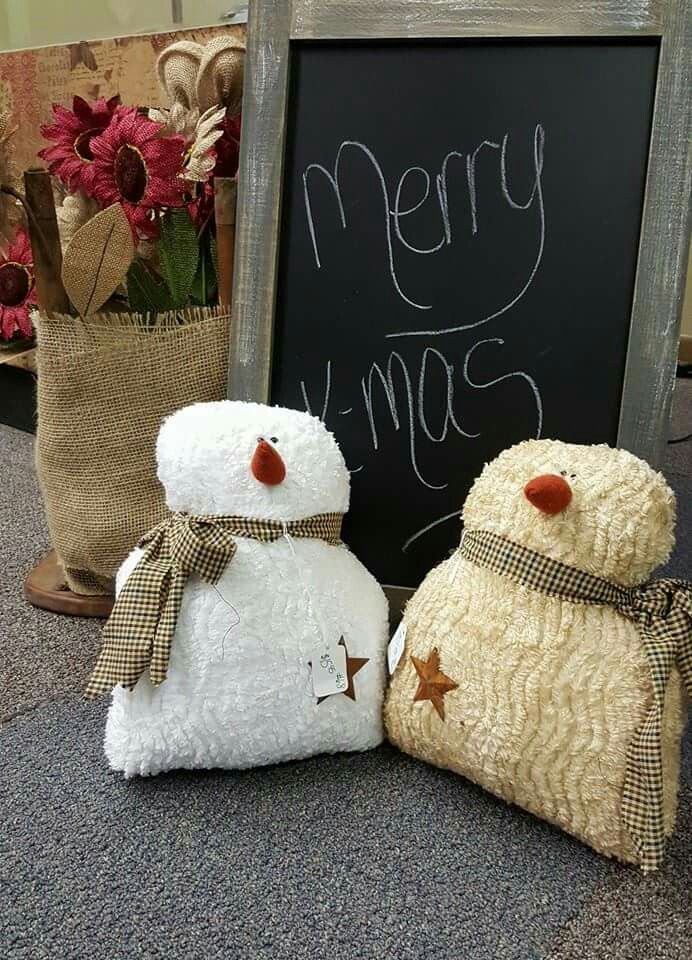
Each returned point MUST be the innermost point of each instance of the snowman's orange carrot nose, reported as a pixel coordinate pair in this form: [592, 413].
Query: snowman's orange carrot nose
[549, 492]
[266, 464]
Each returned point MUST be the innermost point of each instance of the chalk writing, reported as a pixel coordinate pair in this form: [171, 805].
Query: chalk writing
[392, 213]
[411, 415]
[421, 396]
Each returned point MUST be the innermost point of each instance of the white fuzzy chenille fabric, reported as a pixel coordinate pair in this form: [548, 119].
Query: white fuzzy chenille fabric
[239, 690]
[550, 693]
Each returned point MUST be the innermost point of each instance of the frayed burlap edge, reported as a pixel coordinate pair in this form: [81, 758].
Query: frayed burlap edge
[104, 385]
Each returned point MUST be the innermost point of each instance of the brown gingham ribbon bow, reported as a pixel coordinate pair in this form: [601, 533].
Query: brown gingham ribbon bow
[140, 630]
[662, 611]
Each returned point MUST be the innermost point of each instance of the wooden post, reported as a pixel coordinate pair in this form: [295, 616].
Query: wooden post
[45, 586]
[225, 193]
[45, 242]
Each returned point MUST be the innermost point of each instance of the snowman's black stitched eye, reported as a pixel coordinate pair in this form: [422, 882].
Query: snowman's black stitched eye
[573, 476]
[274, 439]
[563, 473]
[260, 439]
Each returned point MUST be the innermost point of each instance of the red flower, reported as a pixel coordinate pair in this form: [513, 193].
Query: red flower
[70, 157]
[200, 201]
[228, 148]
[200, 204]
[135, 166]
[17, 291]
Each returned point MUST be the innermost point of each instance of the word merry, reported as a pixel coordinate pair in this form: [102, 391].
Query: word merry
[394, 214]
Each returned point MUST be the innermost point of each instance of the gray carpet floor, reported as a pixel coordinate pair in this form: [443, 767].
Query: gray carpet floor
[366, 856]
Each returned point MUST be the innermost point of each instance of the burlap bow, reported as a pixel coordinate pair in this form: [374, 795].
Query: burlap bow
[662, 611]
[140, 630]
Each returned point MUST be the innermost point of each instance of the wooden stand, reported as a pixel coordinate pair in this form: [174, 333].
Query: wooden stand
[20, 354]
[45, 587]
[18, 385]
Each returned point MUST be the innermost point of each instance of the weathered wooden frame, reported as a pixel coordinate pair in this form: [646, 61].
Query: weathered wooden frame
[664, 237]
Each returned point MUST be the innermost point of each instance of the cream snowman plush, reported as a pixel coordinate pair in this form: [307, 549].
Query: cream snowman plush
[239, 689]
[537, 698]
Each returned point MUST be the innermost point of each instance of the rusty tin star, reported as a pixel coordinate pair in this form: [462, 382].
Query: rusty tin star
[432, 683]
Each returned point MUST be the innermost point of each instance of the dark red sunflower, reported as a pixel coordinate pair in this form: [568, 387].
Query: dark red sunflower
[69, 157]
[17, 293]
[138, 167]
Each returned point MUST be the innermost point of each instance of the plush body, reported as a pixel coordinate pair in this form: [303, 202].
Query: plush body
[549, 693]
[238, 692]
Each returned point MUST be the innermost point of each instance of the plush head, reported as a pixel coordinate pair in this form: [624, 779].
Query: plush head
[251, 460]
[596, 508]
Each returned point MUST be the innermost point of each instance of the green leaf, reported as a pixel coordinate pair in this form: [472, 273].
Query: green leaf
[178, 254]
[144, 293]
[203, 290]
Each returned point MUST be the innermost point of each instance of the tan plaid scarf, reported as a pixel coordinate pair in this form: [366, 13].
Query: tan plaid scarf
[141, 627]
[662, 610]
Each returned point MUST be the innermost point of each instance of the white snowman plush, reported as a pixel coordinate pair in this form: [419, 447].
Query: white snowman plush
[239, 688]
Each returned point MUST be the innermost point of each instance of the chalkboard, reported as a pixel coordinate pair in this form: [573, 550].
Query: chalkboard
[457, 255]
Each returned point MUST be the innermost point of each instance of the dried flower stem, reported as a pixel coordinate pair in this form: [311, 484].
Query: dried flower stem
[45, 241]
[11, 192]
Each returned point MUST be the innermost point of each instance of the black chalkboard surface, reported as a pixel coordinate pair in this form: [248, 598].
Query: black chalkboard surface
[457, 255]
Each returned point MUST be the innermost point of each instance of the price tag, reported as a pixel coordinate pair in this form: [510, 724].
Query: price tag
[396, 647]
[329, 670]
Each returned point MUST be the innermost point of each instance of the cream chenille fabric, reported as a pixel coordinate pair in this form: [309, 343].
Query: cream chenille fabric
[549, 693]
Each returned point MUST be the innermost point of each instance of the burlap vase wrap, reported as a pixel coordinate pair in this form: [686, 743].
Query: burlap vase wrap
[104, 385]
